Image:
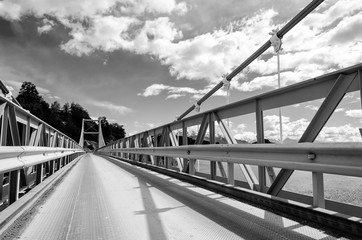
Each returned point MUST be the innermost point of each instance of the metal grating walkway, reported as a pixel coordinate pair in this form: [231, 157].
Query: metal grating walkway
[101, 200]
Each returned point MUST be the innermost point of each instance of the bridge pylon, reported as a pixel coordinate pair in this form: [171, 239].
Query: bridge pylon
[89, 126]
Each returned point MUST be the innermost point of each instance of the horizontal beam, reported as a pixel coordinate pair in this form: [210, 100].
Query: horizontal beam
[342, 159]
[15, 158]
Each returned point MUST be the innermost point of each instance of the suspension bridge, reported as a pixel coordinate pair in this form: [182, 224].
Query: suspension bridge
[164, 184]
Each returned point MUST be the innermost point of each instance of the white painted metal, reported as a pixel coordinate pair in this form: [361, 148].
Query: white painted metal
[334, 158]
[15, 158]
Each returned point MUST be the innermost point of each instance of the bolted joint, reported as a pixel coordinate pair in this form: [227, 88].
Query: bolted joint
[311, 156]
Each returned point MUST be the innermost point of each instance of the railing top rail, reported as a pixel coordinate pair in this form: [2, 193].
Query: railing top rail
[319, 79]
[16, 157]
[27, 113]
[334, 158]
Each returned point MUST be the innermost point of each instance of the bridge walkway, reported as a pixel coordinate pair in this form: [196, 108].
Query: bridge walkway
[108, 199]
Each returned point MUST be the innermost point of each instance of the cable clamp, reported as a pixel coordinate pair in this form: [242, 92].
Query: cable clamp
[226, 83]
[275, 41]
[197, 107]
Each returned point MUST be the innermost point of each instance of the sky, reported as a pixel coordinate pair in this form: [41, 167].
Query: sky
[142, 63]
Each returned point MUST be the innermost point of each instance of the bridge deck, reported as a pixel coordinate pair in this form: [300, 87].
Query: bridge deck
[99, 199]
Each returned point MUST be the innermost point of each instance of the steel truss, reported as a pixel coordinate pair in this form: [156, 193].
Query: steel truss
[160, 146]
[30, 150]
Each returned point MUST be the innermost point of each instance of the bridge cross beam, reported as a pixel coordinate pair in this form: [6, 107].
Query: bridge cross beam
[92, 130]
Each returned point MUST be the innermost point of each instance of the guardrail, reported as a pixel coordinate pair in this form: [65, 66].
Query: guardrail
[162, 146]
[334, 158]
[30, 150]
[264, 169]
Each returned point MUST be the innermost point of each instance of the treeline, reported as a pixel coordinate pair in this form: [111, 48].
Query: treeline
[66, 118]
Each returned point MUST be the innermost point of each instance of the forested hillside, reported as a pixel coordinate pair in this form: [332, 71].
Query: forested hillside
[66, 118]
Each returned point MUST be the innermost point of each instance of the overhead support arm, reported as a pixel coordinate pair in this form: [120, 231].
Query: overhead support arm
[309, 8]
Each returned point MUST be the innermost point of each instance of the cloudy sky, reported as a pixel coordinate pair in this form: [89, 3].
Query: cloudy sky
[141, 63]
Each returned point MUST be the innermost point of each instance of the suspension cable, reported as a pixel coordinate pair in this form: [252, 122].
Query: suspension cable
[302, 14]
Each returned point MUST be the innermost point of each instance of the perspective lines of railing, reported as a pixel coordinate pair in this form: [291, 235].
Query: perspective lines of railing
[263, 168]
[30, 151]
[260, 169]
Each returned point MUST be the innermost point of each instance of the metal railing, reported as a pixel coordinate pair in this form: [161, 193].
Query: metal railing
[265, 169]
[162, 147]
[30, 150]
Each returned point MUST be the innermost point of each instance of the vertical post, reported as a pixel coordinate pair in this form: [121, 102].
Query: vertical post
[4, 127]
[184, 142]
[39, 173]
[49, 137]
[119, 145]
[260, 139]
[231, 178]
[212, 141]
[127, 146]
[280, 109]
[360, 86]
[14, 186]
[1, 185]
[123, 146]
[167, 143]
[155, 144]
[58, 163]
[27, 132]
[192, 166]
[318, 190]
[81, 140]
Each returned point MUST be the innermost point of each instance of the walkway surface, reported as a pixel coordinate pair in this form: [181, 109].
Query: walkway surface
[101, 199]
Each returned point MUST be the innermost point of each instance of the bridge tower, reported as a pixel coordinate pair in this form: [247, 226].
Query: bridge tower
[89, 126]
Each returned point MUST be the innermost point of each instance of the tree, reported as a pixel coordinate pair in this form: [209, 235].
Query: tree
[111, 131]
[67, 119]
[30, 99]
[55, 116]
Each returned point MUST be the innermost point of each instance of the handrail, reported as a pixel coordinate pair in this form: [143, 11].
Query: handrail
[308, 90]
[160, 146]
[313, 157]
[30, 150]
[16, 158]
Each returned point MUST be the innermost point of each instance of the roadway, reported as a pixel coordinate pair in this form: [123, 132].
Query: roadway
[102, 199]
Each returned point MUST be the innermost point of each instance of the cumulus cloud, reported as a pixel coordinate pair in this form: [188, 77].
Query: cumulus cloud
[340, 110]
[46, 27]
[324, 41]
[112, 107]
[145, 126]
[153, 90]
[345, 133]
[241, 133]
[294, 130]
[177, 92]
[355, 113]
